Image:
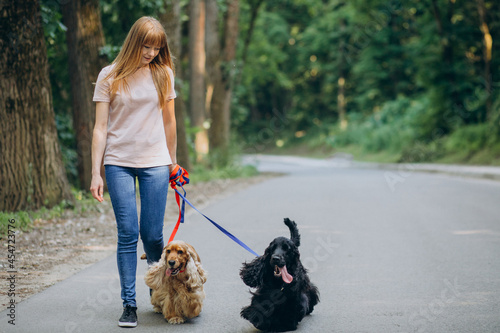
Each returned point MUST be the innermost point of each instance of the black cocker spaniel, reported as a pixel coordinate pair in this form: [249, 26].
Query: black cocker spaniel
[284, 294]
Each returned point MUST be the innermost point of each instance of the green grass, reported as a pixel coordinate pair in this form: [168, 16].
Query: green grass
[14, 222]
[487, 156]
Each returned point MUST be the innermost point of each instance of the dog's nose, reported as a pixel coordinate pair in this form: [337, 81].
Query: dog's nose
[171, 263]
[276, 257]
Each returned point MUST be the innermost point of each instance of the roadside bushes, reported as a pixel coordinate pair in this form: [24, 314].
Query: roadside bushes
[391, 128]
[398, 127]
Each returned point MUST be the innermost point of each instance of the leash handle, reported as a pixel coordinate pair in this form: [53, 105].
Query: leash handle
[178, 177]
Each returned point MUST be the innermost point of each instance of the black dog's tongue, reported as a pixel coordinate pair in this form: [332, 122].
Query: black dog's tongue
[287, 278]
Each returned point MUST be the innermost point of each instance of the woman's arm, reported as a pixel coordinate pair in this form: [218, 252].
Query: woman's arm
[169, 125]
[98, 147]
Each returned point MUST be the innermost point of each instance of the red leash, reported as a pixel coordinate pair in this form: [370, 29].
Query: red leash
[178, 177]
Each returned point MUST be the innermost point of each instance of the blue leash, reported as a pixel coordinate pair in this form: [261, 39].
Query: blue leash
[227, 233]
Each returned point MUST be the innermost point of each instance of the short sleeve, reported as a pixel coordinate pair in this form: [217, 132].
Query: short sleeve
[102, 87]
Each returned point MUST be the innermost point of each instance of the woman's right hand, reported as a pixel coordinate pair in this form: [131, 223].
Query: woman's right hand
[97, 188]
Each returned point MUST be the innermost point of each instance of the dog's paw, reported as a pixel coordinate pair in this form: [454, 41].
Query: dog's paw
[157, 309]
[176, 320]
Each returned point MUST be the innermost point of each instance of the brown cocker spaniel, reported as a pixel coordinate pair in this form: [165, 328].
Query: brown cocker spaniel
[177, 283]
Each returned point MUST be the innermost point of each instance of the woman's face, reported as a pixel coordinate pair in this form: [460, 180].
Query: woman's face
[149, 52]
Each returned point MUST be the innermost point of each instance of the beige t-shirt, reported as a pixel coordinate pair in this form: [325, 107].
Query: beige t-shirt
[136, 136]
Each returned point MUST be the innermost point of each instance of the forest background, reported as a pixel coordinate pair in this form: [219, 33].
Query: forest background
[389, 81]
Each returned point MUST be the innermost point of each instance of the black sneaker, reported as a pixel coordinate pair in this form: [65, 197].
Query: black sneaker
[129, 317]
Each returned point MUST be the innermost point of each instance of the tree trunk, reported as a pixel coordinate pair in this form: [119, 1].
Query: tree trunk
[197, 76]
[31, 169]
[213, 68]
[445, 33]
[341, 103]
[84, 38]
[254, 10]
[171, 20]
[488, 45]
[220, 105]
[447, 47]
[213, 49]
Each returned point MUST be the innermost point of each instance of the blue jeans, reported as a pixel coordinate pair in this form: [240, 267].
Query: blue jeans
[153, 188]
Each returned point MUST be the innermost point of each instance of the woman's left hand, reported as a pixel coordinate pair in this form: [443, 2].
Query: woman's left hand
[171, 167]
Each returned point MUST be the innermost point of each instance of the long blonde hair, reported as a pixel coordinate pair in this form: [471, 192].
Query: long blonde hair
[145, 31]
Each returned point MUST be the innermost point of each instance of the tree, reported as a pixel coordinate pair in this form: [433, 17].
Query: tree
[341, 100]
[254, 11]
[31, 169]
[197, 75]
[171, 20]
[85, 38]
[212, 49]
[220, 64]
[488, 43]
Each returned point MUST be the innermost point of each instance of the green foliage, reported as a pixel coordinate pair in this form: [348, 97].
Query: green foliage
[391, 128]
[19, 221]
[118, 16]
[201, 173]
[263, 79]
[413, 78]
[66, 134]
[470, 139]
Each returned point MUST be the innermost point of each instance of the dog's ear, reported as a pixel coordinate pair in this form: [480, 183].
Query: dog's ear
[196, 273]
[202, 273]
[252, 273]
[154, 275]
[294, 231]
[192, 253]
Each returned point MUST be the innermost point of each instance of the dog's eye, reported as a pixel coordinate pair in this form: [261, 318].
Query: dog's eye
[285, 247]
[180, 252]
[168, 251]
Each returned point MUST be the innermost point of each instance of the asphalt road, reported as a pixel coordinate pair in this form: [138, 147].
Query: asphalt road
[390, 251]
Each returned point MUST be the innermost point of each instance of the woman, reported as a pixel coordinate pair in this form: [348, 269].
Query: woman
[135, 132]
